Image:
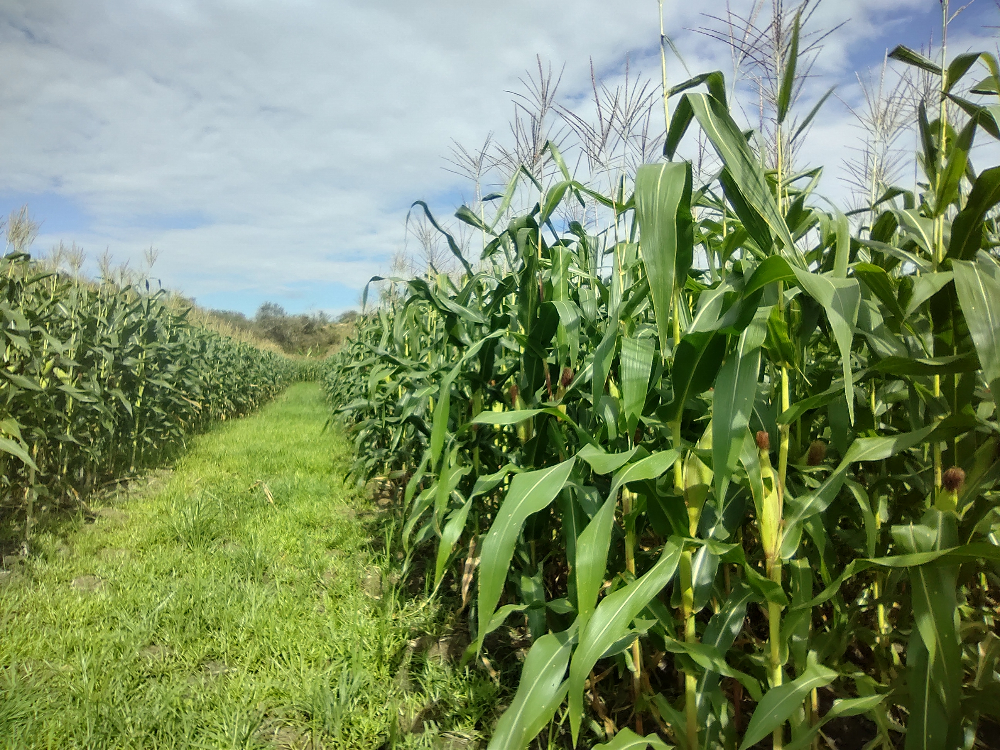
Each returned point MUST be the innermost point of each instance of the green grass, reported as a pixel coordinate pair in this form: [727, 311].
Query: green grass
[193, 612]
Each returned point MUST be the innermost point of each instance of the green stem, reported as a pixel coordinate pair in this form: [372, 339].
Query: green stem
[783, 430]
[690, 636]
[627, 498]
[939, 210]
[771, 539]
[675, 425]
[663, 67]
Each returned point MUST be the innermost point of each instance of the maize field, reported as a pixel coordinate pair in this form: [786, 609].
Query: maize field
[101, 380]
[739, 487]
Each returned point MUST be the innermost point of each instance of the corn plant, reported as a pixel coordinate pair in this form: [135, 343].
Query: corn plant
[727, 501]
[100, 380]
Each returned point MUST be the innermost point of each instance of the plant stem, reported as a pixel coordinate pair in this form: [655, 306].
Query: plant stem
[627, 498]
[783, 429]
[938, 254]
[690, 636]
[30, 513]
[675, 424]
[663, 68]
[771, 540]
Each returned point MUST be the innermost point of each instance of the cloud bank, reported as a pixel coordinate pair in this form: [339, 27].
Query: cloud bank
[270, 150]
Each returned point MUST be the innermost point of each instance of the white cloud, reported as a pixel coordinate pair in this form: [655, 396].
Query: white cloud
[294, 135]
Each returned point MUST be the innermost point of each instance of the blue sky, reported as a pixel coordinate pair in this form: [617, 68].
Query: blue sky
[270, 150]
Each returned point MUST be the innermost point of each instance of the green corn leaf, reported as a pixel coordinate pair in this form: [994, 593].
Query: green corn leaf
[963, 553]
[750, 458]
[862, 449]
[753, 223]
[967, 228]
[20, 381]
[987, 116]
[796, 625]
[442, 409]
[508, 196]
[452, 531]
[918, 228]
[663, 209]
[10, 427]
[779, 703]
[466, 214]
[919, 263]
[603, 358]
[649, 467]
[592, 558]
[812, 113]
[679, 123]
[636, 365]
[595, 540]
[934, 672]
[815, 401]
[514, 416]
[955, 169]
[441, 413]
[573, 519]
[673, 717]
[704, 566]
[537, 345]
[539, 692]
[924, 287]
[452, 245]
[843, 252]
[788, 79]
[841, 299]
[732, 403]
[799, 509]
[485, 483]
[715, 82]
[928, 720]
[769, 590]
[570, 316]
[772, 269]
[778, 343]
[626, 739]
[720, 634]
[906, 55]
[989, 86]
[710, 659]
[501, 615]
[451, 474]
[978, 286]
[697, 360]
[878, 281]
[930, 150]
[557, 157]
[903, 366]
[15, 449]
[610, 622]
[878, 448]
[605, 463]
[742, 166]
[529, 493]
[552, 200]
[958, 67]
[841, 708]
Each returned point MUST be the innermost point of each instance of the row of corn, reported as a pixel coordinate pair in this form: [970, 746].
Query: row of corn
[100, 380]
[730, 462]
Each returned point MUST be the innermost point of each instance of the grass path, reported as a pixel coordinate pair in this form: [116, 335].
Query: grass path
[191, 611]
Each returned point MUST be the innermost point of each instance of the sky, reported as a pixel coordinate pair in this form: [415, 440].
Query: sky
[270, 149]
